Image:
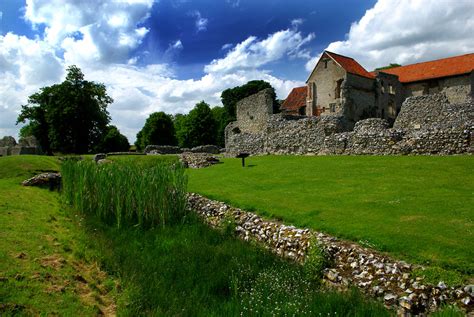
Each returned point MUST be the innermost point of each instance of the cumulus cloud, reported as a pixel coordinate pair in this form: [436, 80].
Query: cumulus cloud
[408, 31]
[252, 53]
[200, 23]
[109, 30]
[25, 65]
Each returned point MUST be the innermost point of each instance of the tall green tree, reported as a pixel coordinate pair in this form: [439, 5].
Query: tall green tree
[179, 121]
[220, 117]
[199, 126]
[231, 96]
[113, 141]
[158, 130]
[70, 117]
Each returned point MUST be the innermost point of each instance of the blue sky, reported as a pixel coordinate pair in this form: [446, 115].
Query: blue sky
[167, 55]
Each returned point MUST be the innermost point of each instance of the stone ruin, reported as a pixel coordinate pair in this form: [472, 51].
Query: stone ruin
[427, 125]
[27, 145]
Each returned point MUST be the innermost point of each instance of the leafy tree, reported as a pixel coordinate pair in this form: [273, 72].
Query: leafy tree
[158, 130]
[199, 126]
[113, 141]
[70, 117]
[27, 130]
[231, 96]
[391, 65]
[220, 118]
[179, 121]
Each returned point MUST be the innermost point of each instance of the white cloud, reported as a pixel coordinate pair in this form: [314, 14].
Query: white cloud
[252, 53]
[409, 31]
[177, 45]
[109, 29]
[227, 46]
[200, 23]
[296, 22]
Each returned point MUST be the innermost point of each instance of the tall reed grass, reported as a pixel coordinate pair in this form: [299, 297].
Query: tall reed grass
[124, 193]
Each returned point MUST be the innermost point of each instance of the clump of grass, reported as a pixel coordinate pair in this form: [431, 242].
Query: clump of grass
[316, 261]
[434, 275]
[126, 194]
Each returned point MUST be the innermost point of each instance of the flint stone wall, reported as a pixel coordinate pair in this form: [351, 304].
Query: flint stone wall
[425, 125]
[374, 273]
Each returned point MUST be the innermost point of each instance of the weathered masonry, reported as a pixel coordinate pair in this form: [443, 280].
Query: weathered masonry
[339, 85]
[427, 124]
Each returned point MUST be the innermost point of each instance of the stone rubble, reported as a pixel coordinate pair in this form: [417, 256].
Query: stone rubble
[51, 179]
[374, 273]
[198, 160]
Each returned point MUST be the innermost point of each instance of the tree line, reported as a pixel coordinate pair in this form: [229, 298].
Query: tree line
[72, 117]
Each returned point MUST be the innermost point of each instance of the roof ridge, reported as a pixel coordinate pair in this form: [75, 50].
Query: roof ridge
[433, 60]
[341, 55]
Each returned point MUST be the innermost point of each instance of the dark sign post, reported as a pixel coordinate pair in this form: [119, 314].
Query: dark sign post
[242, 156]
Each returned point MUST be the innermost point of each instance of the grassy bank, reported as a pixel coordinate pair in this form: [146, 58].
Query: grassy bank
[418, 208]
[40, 273]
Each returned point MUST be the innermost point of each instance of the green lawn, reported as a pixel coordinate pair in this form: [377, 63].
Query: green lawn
[418, 208]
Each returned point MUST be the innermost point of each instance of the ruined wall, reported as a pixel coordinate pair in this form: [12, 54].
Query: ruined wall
[426, 125]
[282, 135]
[358, 98]
[434, 112]
[457, 89]
[253, 111]
[388, 96]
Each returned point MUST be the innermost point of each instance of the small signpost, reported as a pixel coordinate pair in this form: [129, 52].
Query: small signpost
[242, 156]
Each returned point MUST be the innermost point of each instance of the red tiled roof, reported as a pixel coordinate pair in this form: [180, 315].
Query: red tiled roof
[451, 66]
[295, 100]
[349, 64]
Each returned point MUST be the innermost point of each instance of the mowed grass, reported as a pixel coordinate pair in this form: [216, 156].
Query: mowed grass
[418, 208]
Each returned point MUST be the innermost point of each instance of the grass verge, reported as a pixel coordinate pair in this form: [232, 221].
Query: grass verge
[39, 271]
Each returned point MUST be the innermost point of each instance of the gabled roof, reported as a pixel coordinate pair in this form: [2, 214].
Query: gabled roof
[451, 66]
[296, 99]
[349, 64]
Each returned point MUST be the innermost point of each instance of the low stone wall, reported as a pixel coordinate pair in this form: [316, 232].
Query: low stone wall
[162, 149]
[372, 272]
[19, 150]
[169, 149]
[426, 125]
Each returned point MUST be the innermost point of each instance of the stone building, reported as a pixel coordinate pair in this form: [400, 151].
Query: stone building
[339, 85]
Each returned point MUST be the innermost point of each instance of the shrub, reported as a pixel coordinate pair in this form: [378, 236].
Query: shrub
[125, 193]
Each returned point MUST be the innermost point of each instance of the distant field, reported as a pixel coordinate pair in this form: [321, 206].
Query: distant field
[418, 208]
